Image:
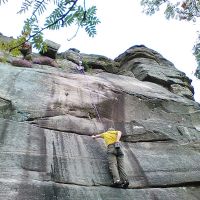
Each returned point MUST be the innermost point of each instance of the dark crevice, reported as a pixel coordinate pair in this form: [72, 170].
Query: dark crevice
[89, 114]
[6, 100]
[3, 132]
[31, 120]
[58, 130]
[178, 185]
[123, 139]
[150, 140]
[175, 185]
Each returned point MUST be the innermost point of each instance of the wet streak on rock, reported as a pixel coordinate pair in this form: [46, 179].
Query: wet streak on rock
[118, 109]
[137, 169]
[60, 166]
[3, 132]
[96, 151]
[6, 108]
[55, 165]
[31, 162]
[62, 145]
[55, 171]
[118, 115]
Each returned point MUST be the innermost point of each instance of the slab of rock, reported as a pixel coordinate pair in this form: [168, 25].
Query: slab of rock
[91, 61]
[148, 65]
[48, 114]
[52, 49]
[100, 62]
[32, 153]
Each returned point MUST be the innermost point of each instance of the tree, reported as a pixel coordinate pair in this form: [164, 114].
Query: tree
[181, 10]
[65, 13]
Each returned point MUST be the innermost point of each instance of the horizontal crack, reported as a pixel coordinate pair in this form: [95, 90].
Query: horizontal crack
[175, 185]
[150, 140]
[58, 130]
[179, 185]
[82, 133]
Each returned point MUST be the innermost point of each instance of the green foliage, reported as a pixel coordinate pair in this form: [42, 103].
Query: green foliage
[181, 10]
[3, 59]
[3, 1]
[151, 6]
[170, 11]
[78, 16]
[197, 72]
[25, 6]
[196, 52]
[90, 21]
[13, 45]
[87, 67]
[65, 14]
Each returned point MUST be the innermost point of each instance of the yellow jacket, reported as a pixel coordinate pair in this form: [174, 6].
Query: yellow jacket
[110, 137]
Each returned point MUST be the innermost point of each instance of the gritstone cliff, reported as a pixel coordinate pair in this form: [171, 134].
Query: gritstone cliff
[47, 114]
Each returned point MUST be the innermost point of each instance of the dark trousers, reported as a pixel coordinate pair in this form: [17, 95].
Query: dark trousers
[116, 163]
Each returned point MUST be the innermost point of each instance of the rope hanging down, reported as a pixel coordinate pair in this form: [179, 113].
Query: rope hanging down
[81, 70]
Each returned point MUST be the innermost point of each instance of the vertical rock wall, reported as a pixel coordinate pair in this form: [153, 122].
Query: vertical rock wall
[47, 116]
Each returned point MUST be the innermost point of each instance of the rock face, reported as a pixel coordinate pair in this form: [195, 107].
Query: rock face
[148, 65]
[52, 49]
[48, 114]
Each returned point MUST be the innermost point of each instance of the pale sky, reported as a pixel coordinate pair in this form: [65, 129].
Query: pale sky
[122, 26]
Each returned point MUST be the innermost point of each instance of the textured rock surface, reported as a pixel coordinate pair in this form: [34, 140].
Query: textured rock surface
[91, 61]
[47, 115]
[148, 65]
[52, 49]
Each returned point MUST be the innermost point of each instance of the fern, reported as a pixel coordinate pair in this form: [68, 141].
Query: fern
[37, 41]
[69, 20]
[170, 11]
[7, 46]
[66, 13]
[91, 30]
[92, 11]
[91, 21]
[40, 7]
[25, 6]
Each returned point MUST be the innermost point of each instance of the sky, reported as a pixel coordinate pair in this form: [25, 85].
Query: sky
[122, 25]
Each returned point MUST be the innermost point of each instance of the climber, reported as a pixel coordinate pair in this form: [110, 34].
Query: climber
[115, 157]
[80, 67]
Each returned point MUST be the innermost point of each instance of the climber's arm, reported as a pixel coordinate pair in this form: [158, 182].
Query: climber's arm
[96, 136]
[119, 134]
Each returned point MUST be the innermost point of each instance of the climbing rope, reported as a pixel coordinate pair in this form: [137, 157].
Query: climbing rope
[81, 70]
